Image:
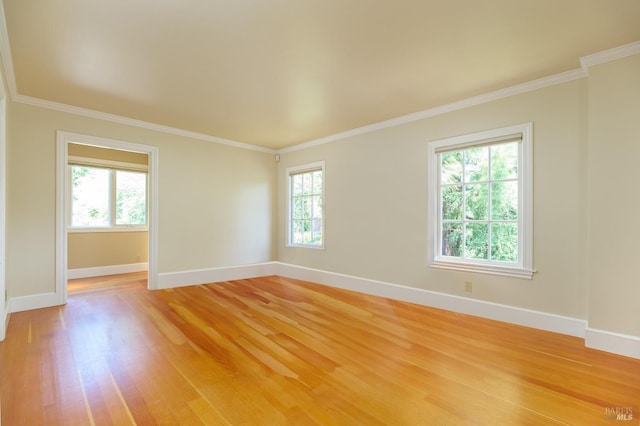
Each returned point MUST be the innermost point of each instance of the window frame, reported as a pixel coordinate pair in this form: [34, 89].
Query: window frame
[524, 267]
[296, 170]
[113, 167]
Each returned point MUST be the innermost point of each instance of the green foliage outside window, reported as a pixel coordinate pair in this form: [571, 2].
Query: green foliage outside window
[479, 202]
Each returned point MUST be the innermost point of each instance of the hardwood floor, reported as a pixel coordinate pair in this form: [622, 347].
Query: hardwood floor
[279, 351]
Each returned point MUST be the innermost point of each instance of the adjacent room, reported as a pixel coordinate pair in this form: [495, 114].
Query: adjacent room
[411, 212]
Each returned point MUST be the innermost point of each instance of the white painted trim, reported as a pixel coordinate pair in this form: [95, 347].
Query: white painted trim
[35, 301]
[115, 229]
[100, 271]
[610, 55]
[608, 341]
[443, 109]
[213, 275]
[495, 311]
[62, 201]
[63, 139]
[510, 314]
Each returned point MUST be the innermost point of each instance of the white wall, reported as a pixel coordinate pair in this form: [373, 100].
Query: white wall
[376, 202]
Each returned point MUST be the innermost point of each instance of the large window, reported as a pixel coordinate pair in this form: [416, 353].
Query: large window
[107, 198]
[306, 201]
[481, 202]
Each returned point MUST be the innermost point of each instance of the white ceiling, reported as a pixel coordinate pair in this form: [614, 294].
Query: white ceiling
[282, 72]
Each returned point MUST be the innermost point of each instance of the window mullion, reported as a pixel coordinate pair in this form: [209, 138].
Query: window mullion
[112, 198]
[489, 208]
[464, 205]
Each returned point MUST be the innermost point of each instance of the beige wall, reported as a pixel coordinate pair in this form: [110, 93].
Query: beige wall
[216, 202]
[376, 202]
[95, 249]
[614, 236]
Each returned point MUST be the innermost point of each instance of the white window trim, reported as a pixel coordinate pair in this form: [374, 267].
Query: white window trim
[524, 267]
[318, 165]
[112, 166]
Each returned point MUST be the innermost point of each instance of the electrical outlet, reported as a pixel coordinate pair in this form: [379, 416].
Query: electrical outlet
[468, 287]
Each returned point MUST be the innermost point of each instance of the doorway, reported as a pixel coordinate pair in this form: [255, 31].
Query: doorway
[102, 159]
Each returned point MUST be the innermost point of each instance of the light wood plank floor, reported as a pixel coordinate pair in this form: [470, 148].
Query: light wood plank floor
[279, 351]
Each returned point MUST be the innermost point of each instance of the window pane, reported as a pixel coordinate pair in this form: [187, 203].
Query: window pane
[316, 236]
[131, 198]
[477, 201]
[476, 162]
[90, 196]
[317, 206]
[452, 239]
[317, 182]
[307, 235]
[307, 184]
[297, 211]
[452, 202]
[307, 206]
[296, 185]
[297, 232]
[477, 241]
[451, 167]
[504, 161]
[504, 201]
[504, 242]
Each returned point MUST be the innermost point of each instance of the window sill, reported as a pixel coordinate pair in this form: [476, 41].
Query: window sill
[309, 246]
[79, 230]
[506, 271]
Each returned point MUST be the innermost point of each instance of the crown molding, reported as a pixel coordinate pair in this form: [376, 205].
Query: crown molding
[610, 55]
[443, 109]
[28, 100]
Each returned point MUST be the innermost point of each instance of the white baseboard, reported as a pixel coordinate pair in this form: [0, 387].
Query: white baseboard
[36, 301]
[4, 325]
[596, 339]
[106, 270]
[213, 275]
[621, 344]
[495, 311]
[510, 314]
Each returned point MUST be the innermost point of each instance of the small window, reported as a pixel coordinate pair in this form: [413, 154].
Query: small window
[306, 205]
[480, 196]
[107, 198]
